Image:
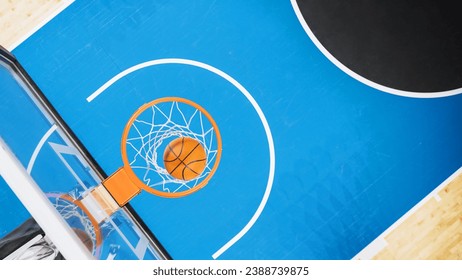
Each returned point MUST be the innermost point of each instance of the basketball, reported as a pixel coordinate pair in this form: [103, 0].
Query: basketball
[185, 158]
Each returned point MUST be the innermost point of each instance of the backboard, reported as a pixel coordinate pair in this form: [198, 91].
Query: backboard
[41, 158]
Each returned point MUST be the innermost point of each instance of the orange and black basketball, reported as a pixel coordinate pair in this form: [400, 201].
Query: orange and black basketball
[185, 158]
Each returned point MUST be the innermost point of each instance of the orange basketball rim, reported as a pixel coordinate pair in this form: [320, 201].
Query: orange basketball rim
[148, 129]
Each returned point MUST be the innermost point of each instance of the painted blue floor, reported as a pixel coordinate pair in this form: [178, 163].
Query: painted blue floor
[349, 159]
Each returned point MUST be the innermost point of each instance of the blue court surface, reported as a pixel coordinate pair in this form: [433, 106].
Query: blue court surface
[315, 163]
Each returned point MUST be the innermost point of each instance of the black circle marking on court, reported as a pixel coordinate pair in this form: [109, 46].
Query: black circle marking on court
[401, 44]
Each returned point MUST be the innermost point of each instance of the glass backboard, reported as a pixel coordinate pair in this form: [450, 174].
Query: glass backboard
[45, 155]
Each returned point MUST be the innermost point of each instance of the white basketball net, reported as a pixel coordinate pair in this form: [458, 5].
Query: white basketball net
[154, 129]
[76, 218]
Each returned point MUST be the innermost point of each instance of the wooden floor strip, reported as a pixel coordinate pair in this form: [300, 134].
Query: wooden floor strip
[20, 18]
[430, 231]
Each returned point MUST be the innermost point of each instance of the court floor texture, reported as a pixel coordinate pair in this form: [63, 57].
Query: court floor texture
[318, 158]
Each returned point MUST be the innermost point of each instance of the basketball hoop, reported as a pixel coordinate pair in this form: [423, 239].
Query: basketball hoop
[171, 147]
[79, 219]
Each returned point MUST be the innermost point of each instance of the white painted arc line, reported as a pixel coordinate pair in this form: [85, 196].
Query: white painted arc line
[272, 154]
[361, 78]
[366, 251]
[267, 193]
[39, 146]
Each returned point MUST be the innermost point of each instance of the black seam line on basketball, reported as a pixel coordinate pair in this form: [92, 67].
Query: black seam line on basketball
[189, 163]
[189, 168]
[173, 152]
[182, 160]
[183, 173]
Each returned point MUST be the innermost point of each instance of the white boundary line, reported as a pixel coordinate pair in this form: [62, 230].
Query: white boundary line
[64, 5]
[361, 78]
[379, 243]
[37, 149]
[249, 97]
